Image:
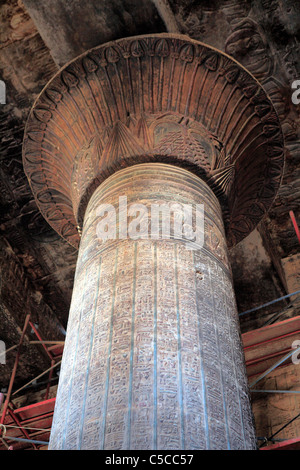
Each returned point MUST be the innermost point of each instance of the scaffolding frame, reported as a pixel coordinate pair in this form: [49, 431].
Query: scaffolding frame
[10, 412]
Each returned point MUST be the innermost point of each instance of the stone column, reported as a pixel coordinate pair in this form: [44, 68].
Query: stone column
[153, 358]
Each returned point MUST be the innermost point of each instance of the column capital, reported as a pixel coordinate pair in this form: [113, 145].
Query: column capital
[155, 98]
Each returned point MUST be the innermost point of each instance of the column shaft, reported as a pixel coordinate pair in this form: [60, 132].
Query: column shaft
[153, 357]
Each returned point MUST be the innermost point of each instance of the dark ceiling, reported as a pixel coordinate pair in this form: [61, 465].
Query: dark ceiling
[36, 39]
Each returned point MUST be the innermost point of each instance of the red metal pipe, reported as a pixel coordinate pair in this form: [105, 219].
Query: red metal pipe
[267, 356]
[276, 338]
[13, 374]
[292, 216]
[40, 406]
[35, 419]
[18, 423]
[289, 444]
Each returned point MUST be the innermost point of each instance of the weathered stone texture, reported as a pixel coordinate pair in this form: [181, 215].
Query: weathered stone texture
[153, 358]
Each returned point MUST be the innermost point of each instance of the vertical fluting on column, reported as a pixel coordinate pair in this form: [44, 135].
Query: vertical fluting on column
[153, 357]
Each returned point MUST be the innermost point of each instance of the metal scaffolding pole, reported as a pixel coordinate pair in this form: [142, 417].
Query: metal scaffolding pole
[13, 374]
[12, 378]
[37, 377]
[269, 303]
[260, 377]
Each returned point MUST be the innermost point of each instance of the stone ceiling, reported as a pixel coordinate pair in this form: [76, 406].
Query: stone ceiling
[36, 39]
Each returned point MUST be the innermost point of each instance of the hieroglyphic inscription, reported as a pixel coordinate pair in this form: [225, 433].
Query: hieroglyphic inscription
[153, 357]
[143, 421]
[67, 370]
[169, 388]
[94, 417]
[195, 420]
[226, 390]
[119, 365]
